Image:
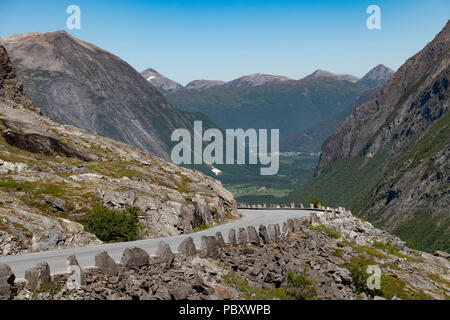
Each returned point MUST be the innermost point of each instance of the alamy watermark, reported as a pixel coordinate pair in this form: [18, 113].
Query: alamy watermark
[213, 153]
[74, 20]
[374, 20]
[374, 281]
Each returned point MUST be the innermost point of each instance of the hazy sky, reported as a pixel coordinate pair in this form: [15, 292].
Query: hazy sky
[222, 40]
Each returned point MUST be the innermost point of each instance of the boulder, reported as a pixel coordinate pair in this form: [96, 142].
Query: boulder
[290, 226]
[219, 240]
[77, 278]
[133, 258]
[7, 289]
[232, 237]
[106, 264]
[242, 237]
[272, 231]
[38, 277]
[442, 254]
[263, 234]
[208, 247]
[253, 237]
[187, 247]
[165, 254]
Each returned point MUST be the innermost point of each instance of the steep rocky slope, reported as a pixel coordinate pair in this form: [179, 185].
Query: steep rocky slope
[77, 83]
[51, 174]
[160, 82]
[389, 160]
[378, 76]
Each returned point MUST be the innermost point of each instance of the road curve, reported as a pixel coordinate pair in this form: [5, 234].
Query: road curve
[86, 255]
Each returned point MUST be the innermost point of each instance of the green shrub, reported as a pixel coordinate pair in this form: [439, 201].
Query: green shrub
[111, 225]
[300, 286]
[202, 227]
[315, 201]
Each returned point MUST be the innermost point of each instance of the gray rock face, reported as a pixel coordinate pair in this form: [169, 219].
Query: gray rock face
[263, 234]
[133, 258]
[106, 264]
[187, 247]
[6, 282]
[208, 247]
[38, 277]
[253, 237]
[165, 254]
[232, 237]
[255, 80]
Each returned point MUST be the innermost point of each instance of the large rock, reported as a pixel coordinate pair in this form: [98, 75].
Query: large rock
[442, 254]
[219, 240]
[77, 278]
[106, 264]
[263, 234]
[242, 237]
[274, 232]
[38, 277]
[232, 238]
[133, 258]
[253, 237]
[290, 226]
[7, 289]
[187, 247]
[208, 247]
[165, 254]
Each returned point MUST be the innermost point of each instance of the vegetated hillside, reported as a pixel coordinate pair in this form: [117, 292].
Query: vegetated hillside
[389, 160]
[77, 83]
[54, 177]
[288, 105]
[311, 139]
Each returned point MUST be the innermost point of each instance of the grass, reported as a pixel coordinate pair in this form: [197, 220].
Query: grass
[202, 227]
[299, 287]
[373, 252]
[331, 232]
[389, 286]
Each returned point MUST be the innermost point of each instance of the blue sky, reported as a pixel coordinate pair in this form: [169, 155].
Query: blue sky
[222, 40]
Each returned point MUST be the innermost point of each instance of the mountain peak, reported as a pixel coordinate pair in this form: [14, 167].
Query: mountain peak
[320, 73]
[160, 82]
[377, 76]
[255, 80]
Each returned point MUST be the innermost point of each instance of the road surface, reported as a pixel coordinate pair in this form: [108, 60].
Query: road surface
[86, 255]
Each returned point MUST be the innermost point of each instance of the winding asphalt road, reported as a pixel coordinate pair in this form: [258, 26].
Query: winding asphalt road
[86, 255]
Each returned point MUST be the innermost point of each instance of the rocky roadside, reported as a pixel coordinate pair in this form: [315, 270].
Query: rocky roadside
[323, 256]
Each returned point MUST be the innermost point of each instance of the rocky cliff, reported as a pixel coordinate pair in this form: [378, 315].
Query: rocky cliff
[163, 84]
[77, 83]
[51, 174]
[390, 158]
[378, 76]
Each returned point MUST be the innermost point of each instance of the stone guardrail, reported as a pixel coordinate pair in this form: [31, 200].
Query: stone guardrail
[132, 258]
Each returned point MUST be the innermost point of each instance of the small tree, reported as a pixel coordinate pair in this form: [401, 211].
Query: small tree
[315, 201]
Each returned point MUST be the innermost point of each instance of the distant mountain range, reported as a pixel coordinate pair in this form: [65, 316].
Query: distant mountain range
[389, 159]
[77, 83]
[376, 77]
